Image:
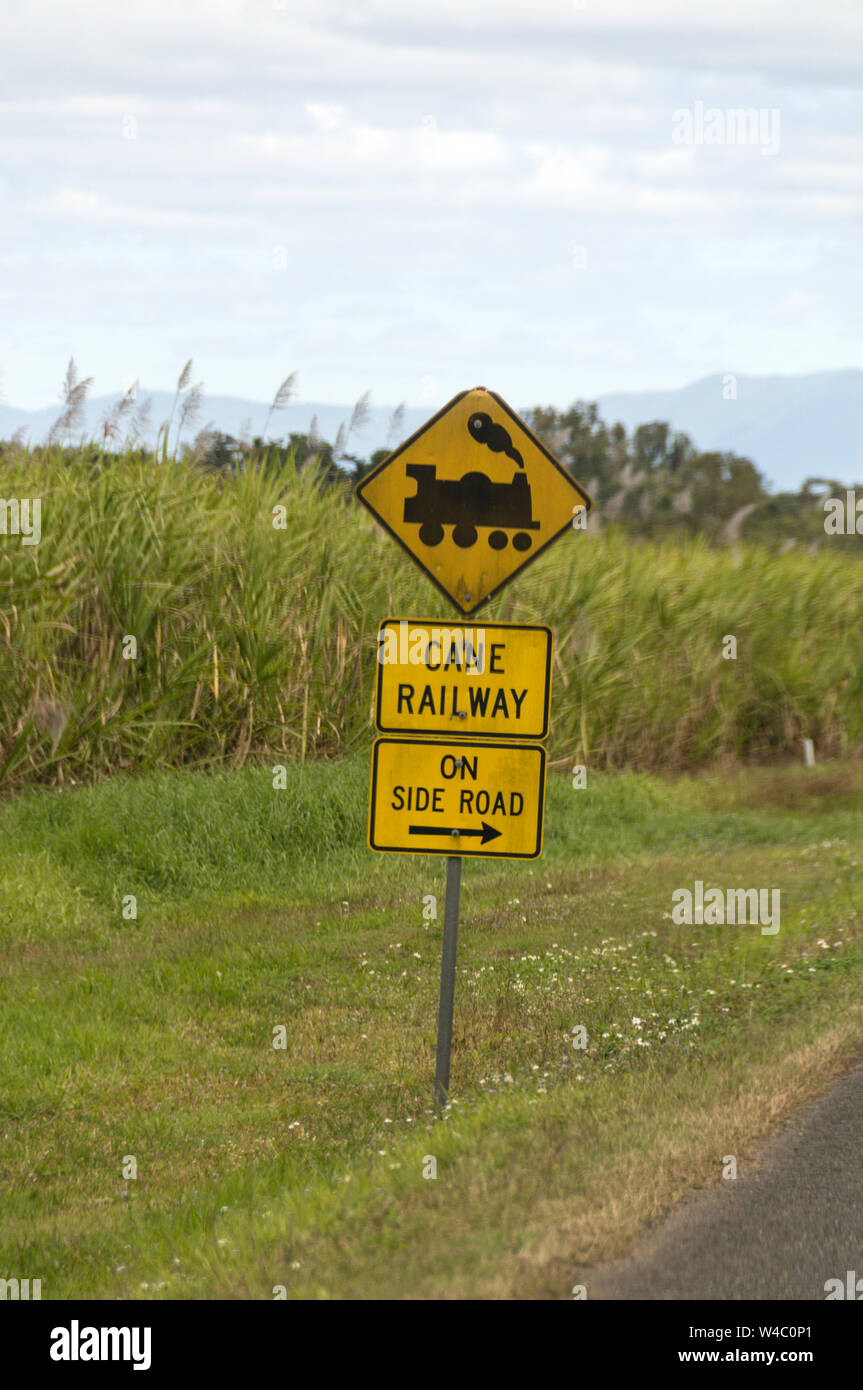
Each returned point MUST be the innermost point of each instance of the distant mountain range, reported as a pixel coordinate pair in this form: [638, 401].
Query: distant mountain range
[791, 427]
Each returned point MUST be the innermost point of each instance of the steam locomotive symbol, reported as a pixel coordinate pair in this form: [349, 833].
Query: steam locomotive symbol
[467, 503]
[474, 500]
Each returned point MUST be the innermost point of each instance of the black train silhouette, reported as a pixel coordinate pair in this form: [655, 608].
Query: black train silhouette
[474, 500]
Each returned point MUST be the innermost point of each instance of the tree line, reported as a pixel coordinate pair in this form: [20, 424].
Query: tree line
[650, 482]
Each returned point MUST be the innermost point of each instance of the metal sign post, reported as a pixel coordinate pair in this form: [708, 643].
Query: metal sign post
[447, 979]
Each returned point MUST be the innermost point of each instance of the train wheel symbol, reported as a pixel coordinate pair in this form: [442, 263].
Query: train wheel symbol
[464, 535]
[431, 533]
[498, 540]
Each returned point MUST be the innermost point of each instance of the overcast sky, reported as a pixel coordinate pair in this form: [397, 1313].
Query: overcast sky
[420, 198]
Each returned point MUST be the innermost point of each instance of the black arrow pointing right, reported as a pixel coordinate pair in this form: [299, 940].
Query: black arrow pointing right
[487, 832]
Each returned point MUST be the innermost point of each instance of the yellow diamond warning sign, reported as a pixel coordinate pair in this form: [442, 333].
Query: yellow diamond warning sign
[486, 679]
[473, 497]
[433, 796]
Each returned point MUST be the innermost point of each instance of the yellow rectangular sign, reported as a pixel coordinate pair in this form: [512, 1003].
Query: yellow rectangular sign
[486, 679]
[434, 796]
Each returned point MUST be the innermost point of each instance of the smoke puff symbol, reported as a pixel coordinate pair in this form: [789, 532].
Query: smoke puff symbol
[483, 429]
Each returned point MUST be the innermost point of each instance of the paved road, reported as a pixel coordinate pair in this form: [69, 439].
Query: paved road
[786, 1224]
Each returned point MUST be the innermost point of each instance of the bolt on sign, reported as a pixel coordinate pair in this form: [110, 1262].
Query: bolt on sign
[431, 796]
[473, 497]
[493, 679]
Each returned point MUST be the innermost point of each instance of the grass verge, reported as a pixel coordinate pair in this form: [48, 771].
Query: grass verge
[302, 1166]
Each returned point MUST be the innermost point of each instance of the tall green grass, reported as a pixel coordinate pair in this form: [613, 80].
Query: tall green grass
[257, 643]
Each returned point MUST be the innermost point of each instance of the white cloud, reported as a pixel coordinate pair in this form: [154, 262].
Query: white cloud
[355, 148]
[666, 163]
[327, 115]
[85, 205]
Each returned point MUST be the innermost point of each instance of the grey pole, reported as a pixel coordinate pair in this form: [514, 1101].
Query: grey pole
[447, 978]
